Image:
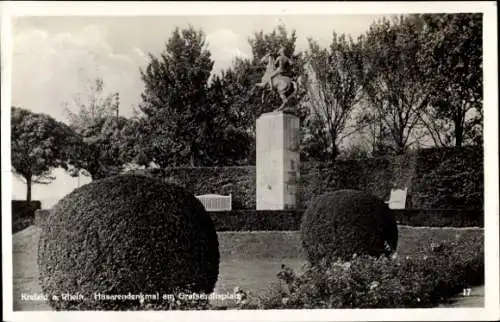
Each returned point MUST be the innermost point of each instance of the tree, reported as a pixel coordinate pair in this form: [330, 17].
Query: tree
[103, 149]
[453, 58]
[94, 106]
[175, 102]
[132, 142]
[393, 77]
[39, 143]
[94, 116]
[333, 91]
[230, 141]
[373, 130]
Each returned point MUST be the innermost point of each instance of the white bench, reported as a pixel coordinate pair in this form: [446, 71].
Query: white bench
[397, 199]
[214, 202]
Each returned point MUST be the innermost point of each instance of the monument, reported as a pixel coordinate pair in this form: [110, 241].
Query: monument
[277, 161]
[277, 144]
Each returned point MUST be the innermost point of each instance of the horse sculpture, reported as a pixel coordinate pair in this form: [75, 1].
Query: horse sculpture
[284, 85]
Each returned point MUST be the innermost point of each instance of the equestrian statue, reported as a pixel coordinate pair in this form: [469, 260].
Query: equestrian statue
[273, 76]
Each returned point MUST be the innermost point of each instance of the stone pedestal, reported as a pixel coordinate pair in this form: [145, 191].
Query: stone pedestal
[277, 164]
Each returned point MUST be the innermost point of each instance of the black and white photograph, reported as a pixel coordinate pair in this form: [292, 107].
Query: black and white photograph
[250, 161]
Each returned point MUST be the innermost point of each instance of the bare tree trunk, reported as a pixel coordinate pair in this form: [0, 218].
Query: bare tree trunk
[335, 152]
[28, 188]
[459, 136]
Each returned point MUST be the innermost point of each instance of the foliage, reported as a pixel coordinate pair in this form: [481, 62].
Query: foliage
[449, 178]
[106, 237]
[39, 143]
[106, 146]
[257, 220]
[92, 107]
[333, 91]
[423, 280]
[374, 175]
[130, 141]
[290, 220]
[394, 78]
[237, 181]
[23, 213]
[453, 57]
[175, 100]
[346, 222]
[21, 224]
[440, 217]
[228, 143]
[355, 150]
[373, 130]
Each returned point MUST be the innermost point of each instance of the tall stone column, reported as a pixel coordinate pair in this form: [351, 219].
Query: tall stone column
[277, 164]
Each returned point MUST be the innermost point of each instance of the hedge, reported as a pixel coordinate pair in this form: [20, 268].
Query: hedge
[40, 217]
[126, 234]
[346, 222]
[440, 217]
[237, 181]
[280, 220]
[253, 220]
[284, 220]
[371, 175]
[23, 213]
[449, 178]
[445, 178]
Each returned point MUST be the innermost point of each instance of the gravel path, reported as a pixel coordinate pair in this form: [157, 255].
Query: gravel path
[474, 299]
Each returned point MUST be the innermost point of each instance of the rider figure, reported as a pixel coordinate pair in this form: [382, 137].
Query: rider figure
[281, 61]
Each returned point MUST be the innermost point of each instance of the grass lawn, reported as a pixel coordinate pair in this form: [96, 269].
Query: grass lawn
[249, 260]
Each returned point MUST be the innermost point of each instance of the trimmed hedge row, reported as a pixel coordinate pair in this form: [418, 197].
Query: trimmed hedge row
[237, 181]
[23, 213]
[442, 178]
[280, 220]
[449, 178]
[283, 220]
[440, 217]
[22, 209]
[374, 176]
[253, 220]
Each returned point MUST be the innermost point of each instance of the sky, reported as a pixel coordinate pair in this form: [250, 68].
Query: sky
[54, 58]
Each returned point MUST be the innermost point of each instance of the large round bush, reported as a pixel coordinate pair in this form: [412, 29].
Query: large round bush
[346, 222]
[127, 234]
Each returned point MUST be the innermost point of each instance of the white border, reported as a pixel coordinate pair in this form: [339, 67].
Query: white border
[492, 299]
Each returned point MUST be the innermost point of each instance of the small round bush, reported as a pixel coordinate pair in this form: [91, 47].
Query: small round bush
[342, 223]
[126, 235]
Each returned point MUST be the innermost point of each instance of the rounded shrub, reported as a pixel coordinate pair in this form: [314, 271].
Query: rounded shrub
[117, 242]
[342, 223]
